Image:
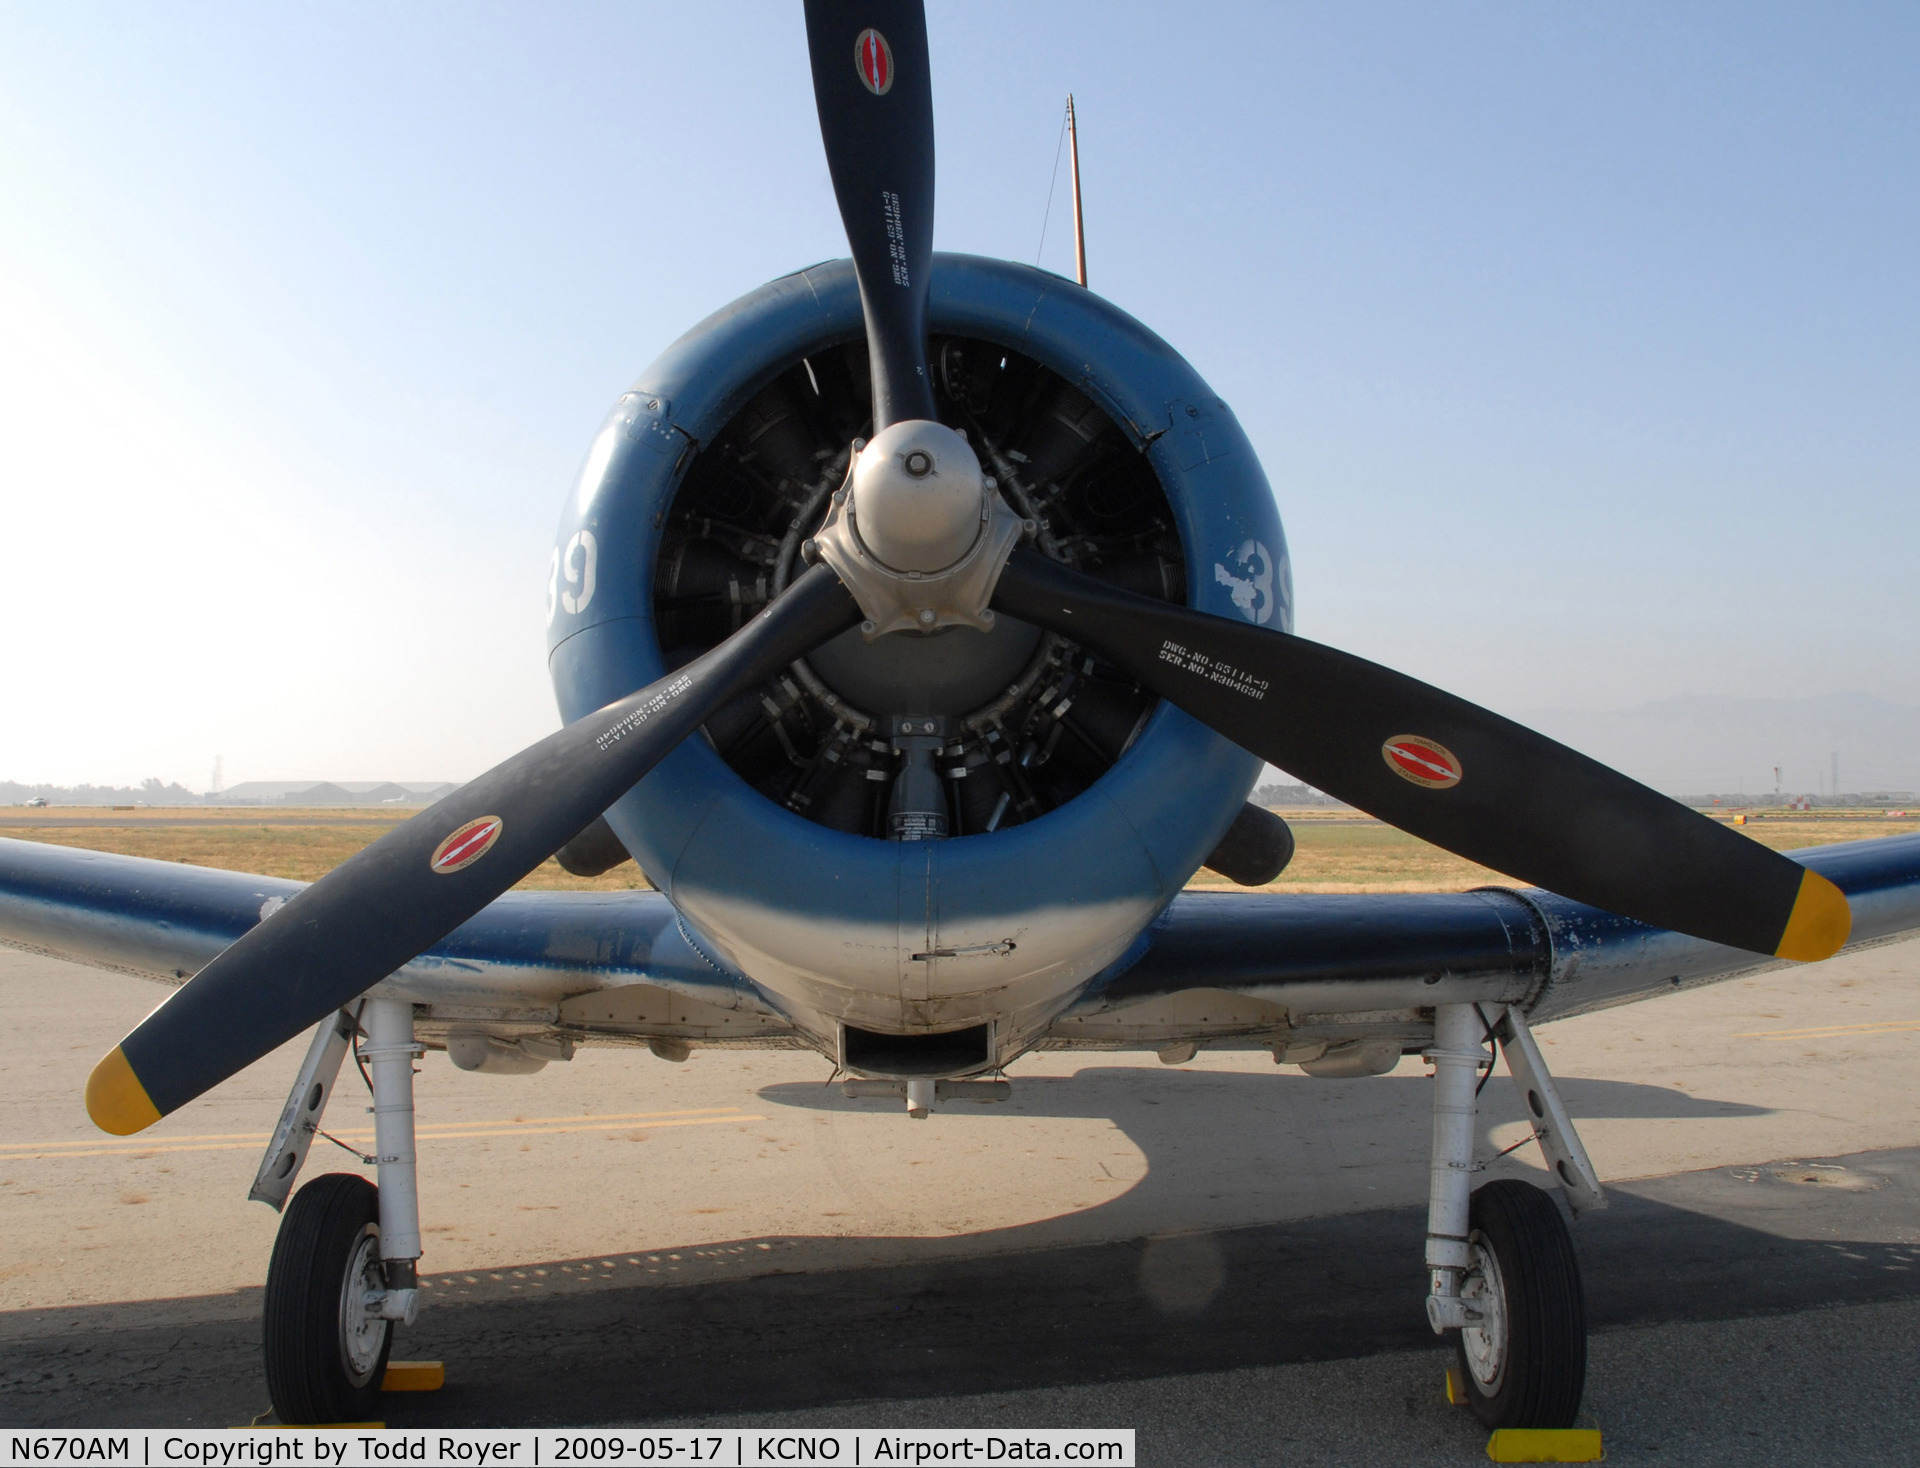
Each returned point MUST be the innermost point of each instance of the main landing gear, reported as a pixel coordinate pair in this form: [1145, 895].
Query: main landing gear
[325, 1350]
[344, 1269]
[1503, 1274]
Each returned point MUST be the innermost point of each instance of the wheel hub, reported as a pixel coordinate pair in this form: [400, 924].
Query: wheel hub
[1485, 1343]
[363, 1332]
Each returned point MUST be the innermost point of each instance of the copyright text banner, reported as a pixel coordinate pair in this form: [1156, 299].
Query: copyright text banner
[377, 1447]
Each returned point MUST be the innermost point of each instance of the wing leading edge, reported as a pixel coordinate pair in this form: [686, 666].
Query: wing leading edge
[529, 954]
[1299, 973]
[1294, 973]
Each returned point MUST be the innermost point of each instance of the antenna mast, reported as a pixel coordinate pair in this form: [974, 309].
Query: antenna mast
[1079, 232]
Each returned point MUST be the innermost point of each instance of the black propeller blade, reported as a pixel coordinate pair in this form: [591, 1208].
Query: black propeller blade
[875, 97]
[387, 904]
[1443, 769]
[1430, 763]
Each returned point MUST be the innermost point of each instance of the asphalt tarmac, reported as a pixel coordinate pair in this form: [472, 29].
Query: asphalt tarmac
[1223, 1255]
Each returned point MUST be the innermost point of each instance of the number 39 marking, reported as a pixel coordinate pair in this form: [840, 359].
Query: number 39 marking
[578, 562]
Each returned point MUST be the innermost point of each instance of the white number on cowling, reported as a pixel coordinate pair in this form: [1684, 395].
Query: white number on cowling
[579, 563]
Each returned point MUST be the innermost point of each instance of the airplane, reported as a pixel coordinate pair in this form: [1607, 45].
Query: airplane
[920, 624]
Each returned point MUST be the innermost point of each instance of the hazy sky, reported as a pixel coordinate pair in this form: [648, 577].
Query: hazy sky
[1579, 341]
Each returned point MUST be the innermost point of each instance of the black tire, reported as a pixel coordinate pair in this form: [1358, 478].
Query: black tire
[315, 1372]
[1534, 1376]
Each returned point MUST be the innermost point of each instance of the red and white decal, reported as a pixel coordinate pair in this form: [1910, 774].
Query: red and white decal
[466, 845]
[873, 59]
[1420, 760]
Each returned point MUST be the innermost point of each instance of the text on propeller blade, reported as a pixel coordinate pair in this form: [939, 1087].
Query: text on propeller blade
[636, 717]
[1213, 670]
[896, 236]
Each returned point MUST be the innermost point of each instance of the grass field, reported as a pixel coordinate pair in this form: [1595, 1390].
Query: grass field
[1336, 852]
[1351, 853]
[301, 844]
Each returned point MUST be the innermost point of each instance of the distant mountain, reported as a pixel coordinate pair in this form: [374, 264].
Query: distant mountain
[252, 792]
[342, 792]
[1703, 744]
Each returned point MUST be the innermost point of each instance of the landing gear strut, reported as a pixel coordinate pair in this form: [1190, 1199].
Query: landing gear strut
[1502, 1269]
[344, 1268]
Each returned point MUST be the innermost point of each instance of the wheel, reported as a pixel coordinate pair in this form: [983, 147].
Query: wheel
[325, 1355]
[1525, 1364]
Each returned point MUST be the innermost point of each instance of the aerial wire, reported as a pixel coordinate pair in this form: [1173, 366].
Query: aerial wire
[1052, 181]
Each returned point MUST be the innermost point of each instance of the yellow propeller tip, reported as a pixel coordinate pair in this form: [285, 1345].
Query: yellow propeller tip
[1819, 924]
[116, 1100]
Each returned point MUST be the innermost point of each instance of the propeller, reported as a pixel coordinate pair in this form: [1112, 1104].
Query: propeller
[873, 88]
[1443, 769]
[385, 905]
[1429, 763]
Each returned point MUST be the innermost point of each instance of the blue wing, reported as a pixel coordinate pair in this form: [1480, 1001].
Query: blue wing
[1300, 973]
[530, 957]
[1288, 972]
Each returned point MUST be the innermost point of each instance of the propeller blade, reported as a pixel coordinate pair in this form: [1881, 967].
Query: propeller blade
[387, 904]
[875, 97]
[1443, 769]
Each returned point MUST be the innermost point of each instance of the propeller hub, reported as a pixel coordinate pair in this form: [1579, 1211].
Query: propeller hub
[919, 498]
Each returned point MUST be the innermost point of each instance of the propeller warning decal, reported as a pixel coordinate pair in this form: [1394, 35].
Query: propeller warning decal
[466, 845]
[1422, 761]
[874, 59]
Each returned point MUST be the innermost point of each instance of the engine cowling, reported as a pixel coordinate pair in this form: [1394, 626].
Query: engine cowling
[1064, 807]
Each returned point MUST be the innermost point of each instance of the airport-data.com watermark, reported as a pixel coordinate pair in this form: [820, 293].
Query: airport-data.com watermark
[378, 1447]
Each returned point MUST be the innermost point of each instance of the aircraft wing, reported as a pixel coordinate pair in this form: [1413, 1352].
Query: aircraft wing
[1313, 976]
[1306, 975]
[611, 963]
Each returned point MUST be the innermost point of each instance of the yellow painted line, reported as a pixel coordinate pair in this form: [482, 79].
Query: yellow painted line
[259, 1139]
[612, 1126]
[602, 1116]
[148, 1151]
[1830, 1030]
[14, 1151]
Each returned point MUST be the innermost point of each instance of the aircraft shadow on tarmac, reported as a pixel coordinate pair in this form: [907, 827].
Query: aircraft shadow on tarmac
[1197, 1127]
[1127, 1095]
[1718, 1244]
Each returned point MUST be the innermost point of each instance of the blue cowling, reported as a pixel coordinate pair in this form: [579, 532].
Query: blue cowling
[712, 842]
